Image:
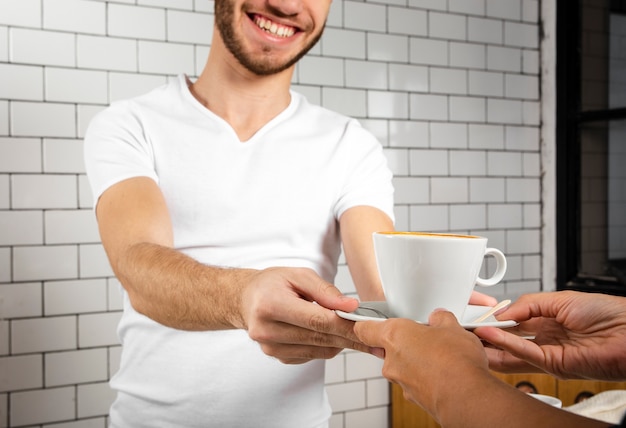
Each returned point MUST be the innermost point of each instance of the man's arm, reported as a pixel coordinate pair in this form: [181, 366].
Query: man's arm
[357, 225]
[274, 305]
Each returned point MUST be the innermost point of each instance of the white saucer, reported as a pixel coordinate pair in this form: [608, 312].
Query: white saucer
[369, 313]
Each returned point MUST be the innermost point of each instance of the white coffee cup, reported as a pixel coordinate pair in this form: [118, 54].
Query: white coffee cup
[421, 272]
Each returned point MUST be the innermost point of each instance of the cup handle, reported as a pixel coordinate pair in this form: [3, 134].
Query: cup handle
[500, 268]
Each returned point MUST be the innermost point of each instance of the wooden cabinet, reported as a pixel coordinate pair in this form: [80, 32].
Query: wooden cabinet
[405, 414]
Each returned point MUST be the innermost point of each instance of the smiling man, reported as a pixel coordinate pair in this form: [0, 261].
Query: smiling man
[223, 204]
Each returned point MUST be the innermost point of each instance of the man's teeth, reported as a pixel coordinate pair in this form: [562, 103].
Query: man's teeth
[273, 28]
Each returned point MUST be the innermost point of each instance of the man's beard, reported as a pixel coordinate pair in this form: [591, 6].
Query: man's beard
[224, 13]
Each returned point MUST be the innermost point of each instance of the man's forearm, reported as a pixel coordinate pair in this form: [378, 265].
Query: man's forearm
[179, 292]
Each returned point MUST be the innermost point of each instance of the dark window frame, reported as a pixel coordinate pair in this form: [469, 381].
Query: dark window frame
[569, 119]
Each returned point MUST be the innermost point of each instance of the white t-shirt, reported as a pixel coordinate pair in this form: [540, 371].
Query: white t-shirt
[273, 200]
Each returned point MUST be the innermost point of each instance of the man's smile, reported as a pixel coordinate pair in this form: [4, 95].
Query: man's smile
[273, 28]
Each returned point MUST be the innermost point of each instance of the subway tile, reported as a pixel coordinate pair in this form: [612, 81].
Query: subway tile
[469, 7]
[523, 190]
[343, 280]
[489, 190]
[42, 47]
[468, 55]
[504, 9]
[378, 392]
[409, 78]
[411, 190]
[449, 190]
[397, 161]
[379, 128]
[114, 295]
[523, 241]
[532, 216]
[428, 4]
[20, 155]
[366, 74]
[94, 399]
[505, 216]
[522, 138]
[4, 43]
[188, 27]
[383, 104]
[93, 261]
[338, 42]
[70, 226]
[31, 191]
[485, 83]
[504, 111]
[369, 417]
[513, 268]
[401, 212]
[429, 218]
[26, 82]
[75, 367]
[521, 86]
[75, 297]
[82, 423]
[85, 197]
[448, 81]
[447, 26]
[387, 47]
[335, 369]
[122, 21]
[408, 133]
[43, 335]
[76, 86]
[489, 137]
[531, 267]
[428, 52]
[531, 113]
[37, 263]
[428, 107]
[521, 35]
[98, 329]
[169, 4]
[505, 164]
[77, 16]
[22, 13]
[467, 109]
[106, 53]
[314, 70]
[165, 58]
[361, 366]
[531, 164]
[63, 156]
[201, 55]
[468, 217]
[55, 404]
[4, 117]
[21, 227]
[84, 114]
[484, 30]
[365, 16]
[500, 58]
[347, 396]
[530, 11]
[115, 355]
[21, 372]
[43, 119]
[5, 276]
[429, 163]
[448, 135]
[351, 102]
[468, 163]
[407, 21]
[531, 61]
[21, 300]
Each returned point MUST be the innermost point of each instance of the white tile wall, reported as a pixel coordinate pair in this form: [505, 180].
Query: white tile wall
[451, 89]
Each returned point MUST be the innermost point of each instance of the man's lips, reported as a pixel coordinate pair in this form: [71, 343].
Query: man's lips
[275, 29]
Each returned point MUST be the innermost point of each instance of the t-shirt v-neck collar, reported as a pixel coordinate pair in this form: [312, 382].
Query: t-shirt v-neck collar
[184, 82]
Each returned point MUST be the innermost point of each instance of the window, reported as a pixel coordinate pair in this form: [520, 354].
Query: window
[591, 145]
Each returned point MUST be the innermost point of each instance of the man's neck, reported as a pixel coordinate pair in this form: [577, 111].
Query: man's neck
[244, 100]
